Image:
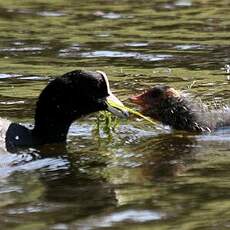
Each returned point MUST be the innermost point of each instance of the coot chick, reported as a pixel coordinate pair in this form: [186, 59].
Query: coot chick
[180, 111]
[63, 100]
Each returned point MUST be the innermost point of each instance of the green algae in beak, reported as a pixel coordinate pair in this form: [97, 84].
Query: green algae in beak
[121, 107]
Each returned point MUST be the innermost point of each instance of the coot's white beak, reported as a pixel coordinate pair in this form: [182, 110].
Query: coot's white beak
[115, 106]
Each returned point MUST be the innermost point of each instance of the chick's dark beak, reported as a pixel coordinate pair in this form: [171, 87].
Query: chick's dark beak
[115, 106]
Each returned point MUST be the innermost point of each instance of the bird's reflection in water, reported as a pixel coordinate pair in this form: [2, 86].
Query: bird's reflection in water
[73, 185]
[68, 185]
[166, 155]
[80, 188]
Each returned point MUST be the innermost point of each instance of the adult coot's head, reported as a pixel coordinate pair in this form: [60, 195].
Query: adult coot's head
[69, 97]
[168, 106]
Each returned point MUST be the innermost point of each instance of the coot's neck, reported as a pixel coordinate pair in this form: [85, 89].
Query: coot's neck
[52, 123]
[51, 131]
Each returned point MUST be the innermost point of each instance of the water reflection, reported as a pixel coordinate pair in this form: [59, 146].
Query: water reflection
[109, 220]
[145, 57]
[109, 15]
[82, 183]
[102, 186]
[168, 156]
[54, 185]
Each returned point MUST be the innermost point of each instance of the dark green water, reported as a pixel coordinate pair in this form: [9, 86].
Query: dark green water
[140, 177]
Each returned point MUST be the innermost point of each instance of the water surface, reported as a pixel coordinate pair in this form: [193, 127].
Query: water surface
[138, 177]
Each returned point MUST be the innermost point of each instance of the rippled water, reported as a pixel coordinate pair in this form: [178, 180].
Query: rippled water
[139, 177]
